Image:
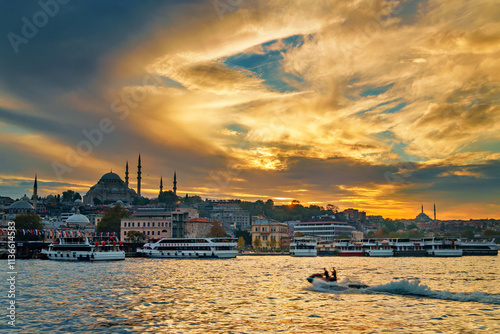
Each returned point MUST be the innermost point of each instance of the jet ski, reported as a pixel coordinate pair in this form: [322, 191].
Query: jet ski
[333, 284]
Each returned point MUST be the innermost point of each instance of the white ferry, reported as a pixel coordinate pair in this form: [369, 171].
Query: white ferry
[349, 247]
[479, 247]
[198, 248]
[443, 247]
[408, 247]
[303, 246]
[375, 248]
[84, 249]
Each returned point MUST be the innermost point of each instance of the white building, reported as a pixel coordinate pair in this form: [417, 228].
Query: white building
[327, 231]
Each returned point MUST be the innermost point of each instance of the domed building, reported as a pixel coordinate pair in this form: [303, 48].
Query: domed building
[78, 219]
[20, 207]
[422, 217]
[109, 189]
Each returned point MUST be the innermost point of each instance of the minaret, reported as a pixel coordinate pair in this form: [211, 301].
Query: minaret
[175, 183]
[161, 185]
[139, 178]
[422, 208]
[434, 211]
[126, 174]
[35, 193]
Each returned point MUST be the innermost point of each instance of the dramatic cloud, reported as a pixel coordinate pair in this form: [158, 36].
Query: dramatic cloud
[380, 105]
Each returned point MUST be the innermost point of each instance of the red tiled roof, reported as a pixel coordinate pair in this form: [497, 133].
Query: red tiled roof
[198, 220]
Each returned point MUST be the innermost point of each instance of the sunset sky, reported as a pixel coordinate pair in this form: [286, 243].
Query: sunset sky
[377, 105]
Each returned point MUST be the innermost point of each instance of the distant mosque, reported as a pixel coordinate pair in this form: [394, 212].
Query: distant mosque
[111, 188]
[422, 217]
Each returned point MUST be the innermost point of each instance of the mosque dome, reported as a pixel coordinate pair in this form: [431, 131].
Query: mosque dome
[20, 205]
[119, 202]
[78, 218]
[110, 177]
[423, 217]
[78, 201]
[50, 197]
[25, 198]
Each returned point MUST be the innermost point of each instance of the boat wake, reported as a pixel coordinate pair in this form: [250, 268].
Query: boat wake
[407, 288]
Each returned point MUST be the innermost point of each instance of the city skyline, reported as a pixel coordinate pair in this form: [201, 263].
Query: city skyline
[375, 105]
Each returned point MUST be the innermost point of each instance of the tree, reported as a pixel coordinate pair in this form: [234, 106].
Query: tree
[111, 221]
[168, 197]
[68, 196]
[412, 226]
[241, 242]
[490, 233]
[273, 242]
[257, 243]
[245, 234]
[29, 221]
[467, 234]
[77, 196]
[217, 230]
[135, 236]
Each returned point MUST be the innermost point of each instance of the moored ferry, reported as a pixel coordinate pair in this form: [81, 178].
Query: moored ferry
[483, 247]
[443, 247]
[408, 247]
[349, 248]
[377, 248]
[85, 249]
[193, 248]
[303, 246]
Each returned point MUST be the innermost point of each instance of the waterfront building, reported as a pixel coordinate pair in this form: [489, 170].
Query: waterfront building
[267, 230]
[327, 231]
[197, 228]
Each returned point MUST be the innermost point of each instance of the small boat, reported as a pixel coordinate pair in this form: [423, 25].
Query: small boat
[85, 249]
[196, 248]
[335, 286]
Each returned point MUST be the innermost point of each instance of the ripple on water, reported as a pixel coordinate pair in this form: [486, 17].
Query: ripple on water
[251, 294]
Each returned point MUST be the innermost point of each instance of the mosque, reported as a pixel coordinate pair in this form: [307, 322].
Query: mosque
[422, 217]
[111, 188]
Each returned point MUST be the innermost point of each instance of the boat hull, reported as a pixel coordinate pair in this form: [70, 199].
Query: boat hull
[445, 253]
[152, 253]
[84, 256]
[379, 253]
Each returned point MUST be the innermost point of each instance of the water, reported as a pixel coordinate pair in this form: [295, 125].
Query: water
[253, 294]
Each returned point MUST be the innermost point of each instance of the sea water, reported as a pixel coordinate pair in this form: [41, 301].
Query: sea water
[256, 294]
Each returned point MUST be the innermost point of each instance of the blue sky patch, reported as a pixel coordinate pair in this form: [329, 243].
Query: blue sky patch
[376, 90]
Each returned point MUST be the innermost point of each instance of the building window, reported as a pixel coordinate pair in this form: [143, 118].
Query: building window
[148, 233]
[158, 232]
[133, 224]
[125, 232]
